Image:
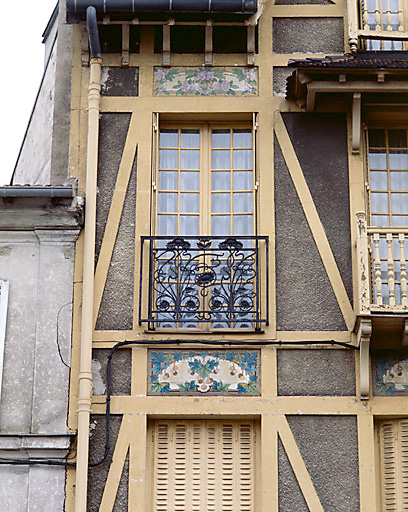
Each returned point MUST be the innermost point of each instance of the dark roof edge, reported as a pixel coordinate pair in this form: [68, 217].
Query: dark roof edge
[28, 191]
[361, 59]
[50, 23]
[76, 8]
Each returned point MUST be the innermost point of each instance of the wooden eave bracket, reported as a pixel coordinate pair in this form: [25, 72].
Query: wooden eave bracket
[166, 43]
[354, 87]
[363, 339]
[209, 60]
[356, 123]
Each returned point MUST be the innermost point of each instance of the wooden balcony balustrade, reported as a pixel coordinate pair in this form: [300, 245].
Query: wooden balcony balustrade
[377, 24]
[382, 268]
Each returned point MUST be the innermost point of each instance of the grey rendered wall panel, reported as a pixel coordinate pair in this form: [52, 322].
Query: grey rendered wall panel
[329, 448]
[327, 372]
[308, 35]
[290, 495]
[320, 143]
[305, 298]
[97, 476]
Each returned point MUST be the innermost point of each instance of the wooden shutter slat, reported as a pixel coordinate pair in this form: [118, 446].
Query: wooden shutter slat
[203, 466]
[394, 464]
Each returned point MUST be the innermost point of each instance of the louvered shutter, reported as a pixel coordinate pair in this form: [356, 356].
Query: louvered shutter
[204, 466]
[394, 464]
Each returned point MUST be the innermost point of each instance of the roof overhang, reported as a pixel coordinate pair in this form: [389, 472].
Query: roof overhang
[349, 75]
[76, 9]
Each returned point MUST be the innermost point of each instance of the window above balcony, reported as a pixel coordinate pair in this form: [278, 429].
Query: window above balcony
[206, 268]
[378, 25]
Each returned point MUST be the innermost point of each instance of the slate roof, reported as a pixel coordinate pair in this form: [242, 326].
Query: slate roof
[360, 60]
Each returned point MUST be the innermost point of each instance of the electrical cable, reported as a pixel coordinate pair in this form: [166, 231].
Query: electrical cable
[120, 344]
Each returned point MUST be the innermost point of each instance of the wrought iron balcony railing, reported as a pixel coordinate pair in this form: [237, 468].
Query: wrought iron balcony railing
[377, 24]
[208, 282]
[382, 268]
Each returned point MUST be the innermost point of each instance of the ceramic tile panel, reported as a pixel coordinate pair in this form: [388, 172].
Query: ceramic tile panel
[199, 81]
[197, 372]
[390, 374]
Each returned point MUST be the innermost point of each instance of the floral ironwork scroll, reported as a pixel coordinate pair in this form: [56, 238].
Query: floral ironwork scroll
[204, 279]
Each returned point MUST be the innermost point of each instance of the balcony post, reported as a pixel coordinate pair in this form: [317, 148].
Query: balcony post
[403, 269]
[390, 266]
[352, 24]
[362, 264]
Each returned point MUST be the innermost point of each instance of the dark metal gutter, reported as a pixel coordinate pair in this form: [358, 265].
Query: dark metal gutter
[57, 192]
[76, 9]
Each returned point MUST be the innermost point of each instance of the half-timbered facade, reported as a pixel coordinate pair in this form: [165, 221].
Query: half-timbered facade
[250, 291]
[240, 288]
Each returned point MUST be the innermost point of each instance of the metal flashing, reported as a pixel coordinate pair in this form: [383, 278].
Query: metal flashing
[76, 8]
[14, 191]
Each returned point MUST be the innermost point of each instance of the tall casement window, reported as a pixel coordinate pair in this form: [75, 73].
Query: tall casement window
[388, 169]
[204, 261]
[205, 182]
[393, 461]
[387, 158]
[204, 466]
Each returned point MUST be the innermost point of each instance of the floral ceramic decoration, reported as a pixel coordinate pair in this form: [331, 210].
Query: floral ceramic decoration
[226, 81]
[391, 375]
[201, 372]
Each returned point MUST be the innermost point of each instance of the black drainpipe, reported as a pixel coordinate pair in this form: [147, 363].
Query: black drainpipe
[93, 34]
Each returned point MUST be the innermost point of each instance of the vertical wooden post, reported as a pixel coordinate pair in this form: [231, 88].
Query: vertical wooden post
[352, 24]
[390, 268]
[363, 264]
[377, 269]
[166, 43]
[403, 270]
[209, 43]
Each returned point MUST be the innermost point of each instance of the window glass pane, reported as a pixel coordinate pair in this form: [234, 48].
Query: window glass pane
[221, 159]
[376, 138]
[221, 203]
[380, 220]
[398, 160]
[399, 203]
[189, 203]
[168, 159]
[168, 180]
[243, 180]
[242, 139]
[399, 180]
[243, 225]
[189, 159]
[378, 159]
[400, 220]
[221, 180]
[242, 159]
[221, 225]
[243, 203]
[379, 203]
[397, 138]
[190, 139]
[189, 181]
[378, 180]
[221, 139]
[167, 202]
[188, 225]
[168, 138]
[167, 225]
